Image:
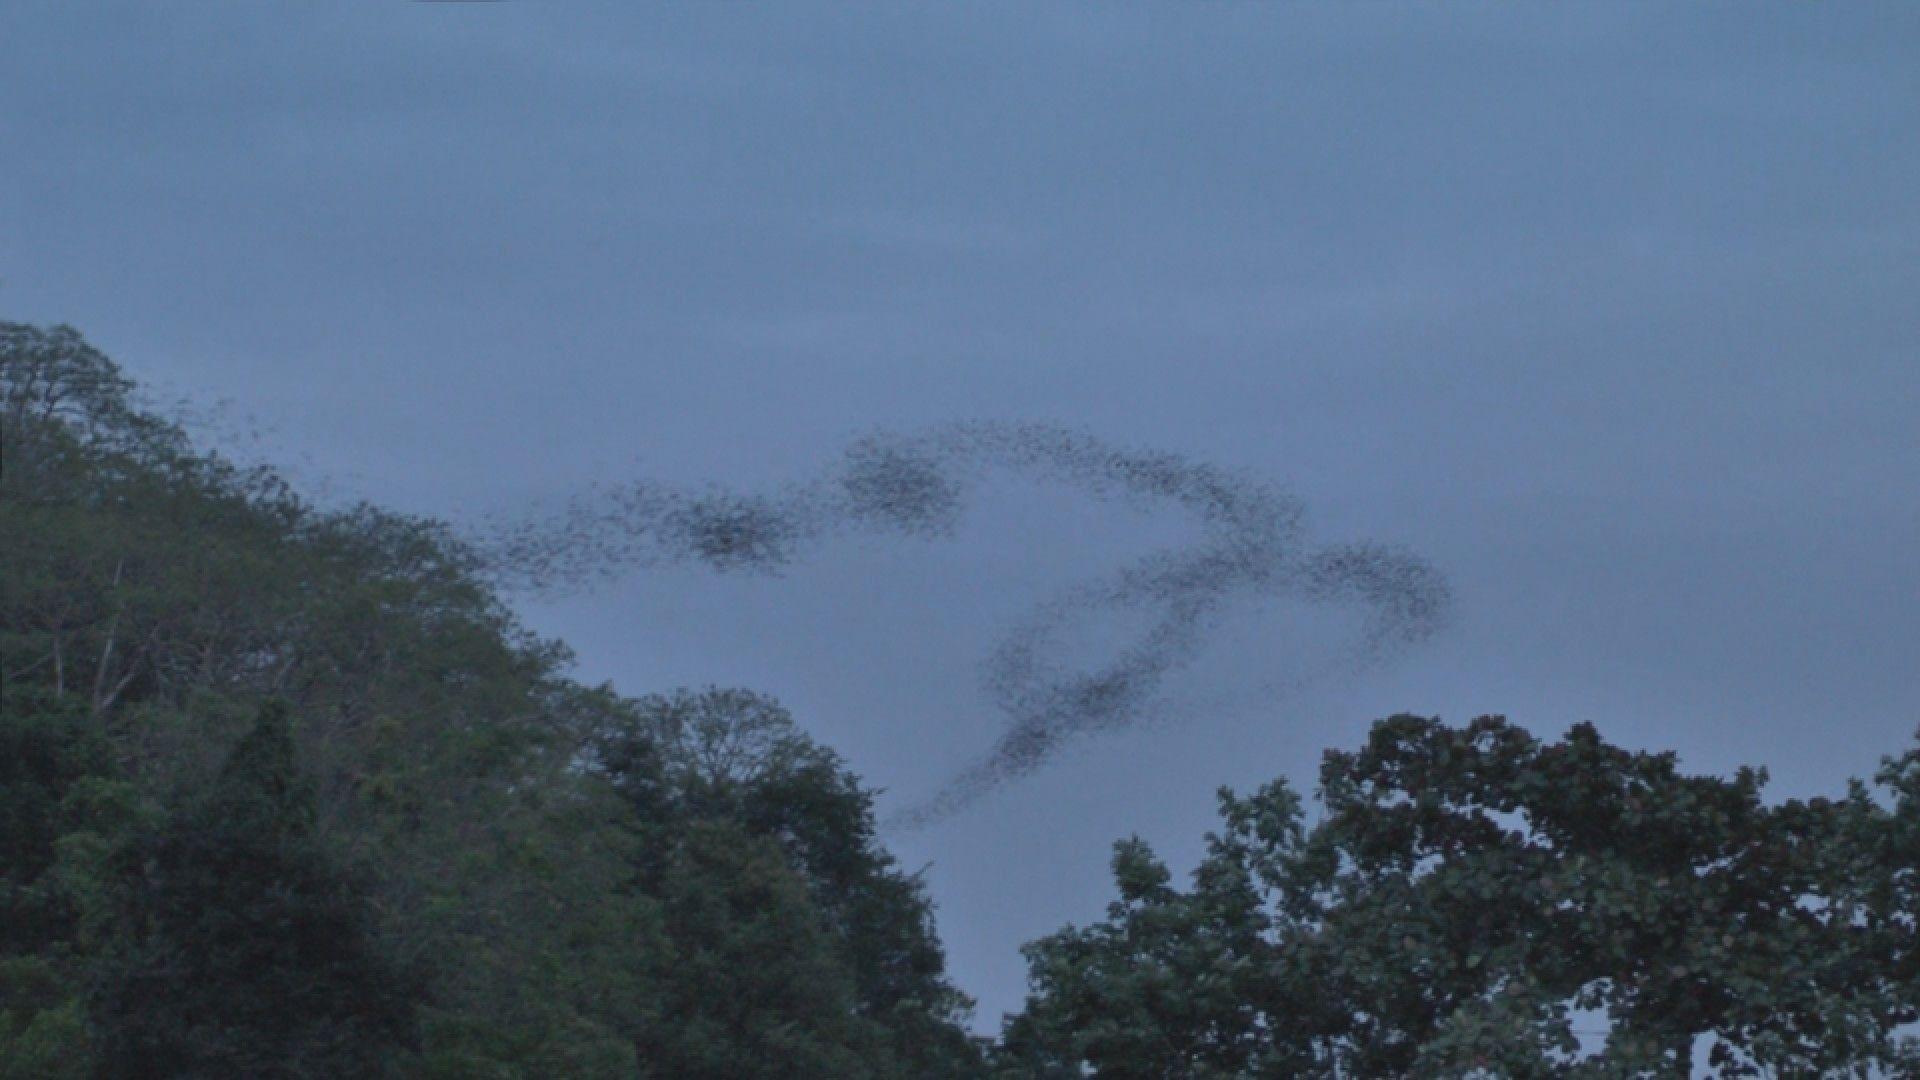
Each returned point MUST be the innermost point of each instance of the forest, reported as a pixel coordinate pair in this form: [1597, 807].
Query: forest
[289, 791]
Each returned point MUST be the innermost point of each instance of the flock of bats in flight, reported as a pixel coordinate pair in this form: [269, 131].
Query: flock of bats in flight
[1251, 543]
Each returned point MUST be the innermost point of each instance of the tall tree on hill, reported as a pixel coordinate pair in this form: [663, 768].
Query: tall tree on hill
[151, 596]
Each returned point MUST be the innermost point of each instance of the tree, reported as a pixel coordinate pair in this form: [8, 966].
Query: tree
[151, 597]
[698, 767]
[758, 990]
[1883, 856]
[50, 757]
[240, 945]
[1470, 897]
[46, 749]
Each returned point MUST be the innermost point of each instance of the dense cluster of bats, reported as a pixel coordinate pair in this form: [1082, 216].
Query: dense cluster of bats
[1250, 542]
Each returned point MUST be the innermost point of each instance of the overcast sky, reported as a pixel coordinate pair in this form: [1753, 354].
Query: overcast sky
[1611, 312]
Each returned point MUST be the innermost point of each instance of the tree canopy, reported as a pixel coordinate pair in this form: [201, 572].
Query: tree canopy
[1474, 900]
[242, 732]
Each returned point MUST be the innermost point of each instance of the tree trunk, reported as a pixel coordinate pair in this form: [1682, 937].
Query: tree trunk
[100, 700]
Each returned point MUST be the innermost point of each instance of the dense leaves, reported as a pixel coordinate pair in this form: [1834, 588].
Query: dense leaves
[435, 824]
[731, 796]
[236, 944]
[1474, 900]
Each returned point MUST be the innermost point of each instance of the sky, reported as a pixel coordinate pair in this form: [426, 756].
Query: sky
[1606, 311]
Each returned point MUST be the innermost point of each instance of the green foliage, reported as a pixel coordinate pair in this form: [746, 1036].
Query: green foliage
[1470, 897]
[778, 898]
[440, 822]
[240, 945]
[47, 747]
[52, 767]
[42, 1025]
[758, 991]
[1173, 984]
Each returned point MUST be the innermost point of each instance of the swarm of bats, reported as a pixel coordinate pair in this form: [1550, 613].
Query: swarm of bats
[1251, 543]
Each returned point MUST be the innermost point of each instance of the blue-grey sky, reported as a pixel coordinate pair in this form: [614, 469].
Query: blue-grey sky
[1610, 311]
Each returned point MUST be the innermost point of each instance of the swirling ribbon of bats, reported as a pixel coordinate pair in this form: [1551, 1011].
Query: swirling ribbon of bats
[1251, 542]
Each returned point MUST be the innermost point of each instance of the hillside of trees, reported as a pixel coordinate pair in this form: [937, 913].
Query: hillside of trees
[288, 792]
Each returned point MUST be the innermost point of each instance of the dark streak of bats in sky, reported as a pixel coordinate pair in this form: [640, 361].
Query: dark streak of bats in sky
[1251, 543]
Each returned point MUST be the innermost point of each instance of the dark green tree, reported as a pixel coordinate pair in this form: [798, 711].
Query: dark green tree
[47, 747]
[757, 990]
[1473, 896]
[1882, 853]
[240, 946]
[49, 753]
[152, 596]
[730, 763]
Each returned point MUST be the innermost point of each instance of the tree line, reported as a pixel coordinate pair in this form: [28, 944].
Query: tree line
[289, 792]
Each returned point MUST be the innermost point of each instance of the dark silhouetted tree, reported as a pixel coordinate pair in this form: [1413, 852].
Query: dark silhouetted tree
[1469, 898]
[699, 767]
[240, 946]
